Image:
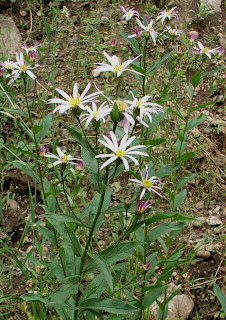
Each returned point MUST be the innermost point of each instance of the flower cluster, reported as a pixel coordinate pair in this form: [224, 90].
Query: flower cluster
[23, 66]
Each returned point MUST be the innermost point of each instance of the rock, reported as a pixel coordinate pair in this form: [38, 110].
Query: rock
[23, 13]
[224, 212]
[214, 221]
[214, 5]
[200, 204]
[222, 39]
[180, 307]
[217, 209]
[10, 37]
[196, 132]
[199, 222]
[12, 204]
[203, 254]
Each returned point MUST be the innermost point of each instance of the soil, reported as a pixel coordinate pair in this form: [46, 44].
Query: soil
[211, 161]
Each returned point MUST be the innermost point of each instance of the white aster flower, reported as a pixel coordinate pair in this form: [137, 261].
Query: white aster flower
[167, 14]
[115, 65]
[149, 28]
[174, 32]
[8, 65]
[147, 183]
[62, 158]
[120, 151]
[95, 113]
[205, 50]
[30, 49]
[143, 108]
[74, 101]
[21, 67]
[129, 14]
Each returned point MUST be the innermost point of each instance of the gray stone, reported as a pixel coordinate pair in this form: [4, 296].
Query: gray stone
[199, 222]
[214, 5]
[12, 204]
[214, 221]
[203, 254]
[10, 38]
[180, 307]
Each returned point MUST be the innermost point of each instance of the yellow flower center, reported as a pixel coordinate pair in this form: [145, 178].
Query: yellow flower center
[172, 32]
[205, 50]
[96, 114]
[168, 13]
[118, 68]
[146, 183]
[24, 68]
[122, 106]
[75, 101]
[120, 153]
[129, 13]
[149, 28]
[9, 66]
[139, 103]
[64, 159]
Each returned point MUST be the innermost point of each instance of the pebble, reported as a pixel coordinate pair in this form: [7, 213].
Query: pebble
[214, 221]
[12, 204]
[23, 13]
[203, 254]
[200, 204]
[224, 212]
[199, 222]
[196, 132]
[217, 209]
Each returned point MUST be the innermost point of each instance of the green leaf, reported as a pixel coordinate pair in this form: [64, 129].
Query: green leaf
[62, 293]
[77, 136]
[220, 296]
[154, 142]
[49, 235]
[133, 42]
[203, 105]
[138, 68]
[167, 170]
[159, 63]
[102, 266]
[30, 153]
[176, 113]
[152, 295]
[156, 118]
[196, 121]
[64, 218]
[115, 113]
[26, 169]
[185, 156]
[109, 305]
[189, 90]
[184, 180]
[93, 168]
[179, 198]
[212, 71]
[37, 129]
[164, 228]
[195, 79]
[34, 297]
[46, 124]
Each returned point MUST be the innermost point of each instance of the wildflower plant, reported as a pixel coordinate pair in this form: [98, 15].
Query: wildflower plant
[79, 279]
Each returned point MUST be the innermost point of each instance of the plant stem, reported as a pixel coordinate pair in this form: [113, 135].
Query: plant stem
[87, 245]
[144, 262]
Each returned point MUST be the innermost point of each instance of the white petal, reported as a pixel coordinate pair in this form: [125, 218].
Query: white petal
[64, 94]
[75, 90]
[106, 163]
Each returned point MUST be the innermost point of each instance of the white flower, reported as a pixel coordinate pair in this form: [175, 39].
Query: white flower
[30, 49]
[21, 67]
[147, 184]
[205, 50]
[9, 65]
[74, 101]
[120, 151]
[129, 14]
[174, 32]
[149, 28]
[142, 105]
[62, 158]
[167, 14]
[115, 65]
[95, 113]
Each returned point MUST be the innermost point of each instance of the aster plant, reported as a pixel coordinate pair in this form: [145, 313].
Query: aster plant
[113, 133]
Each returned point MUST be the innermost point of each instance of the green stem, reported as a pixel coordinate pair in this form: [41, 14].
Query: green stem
[36, 144]
[144, 262]
[88, 243]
